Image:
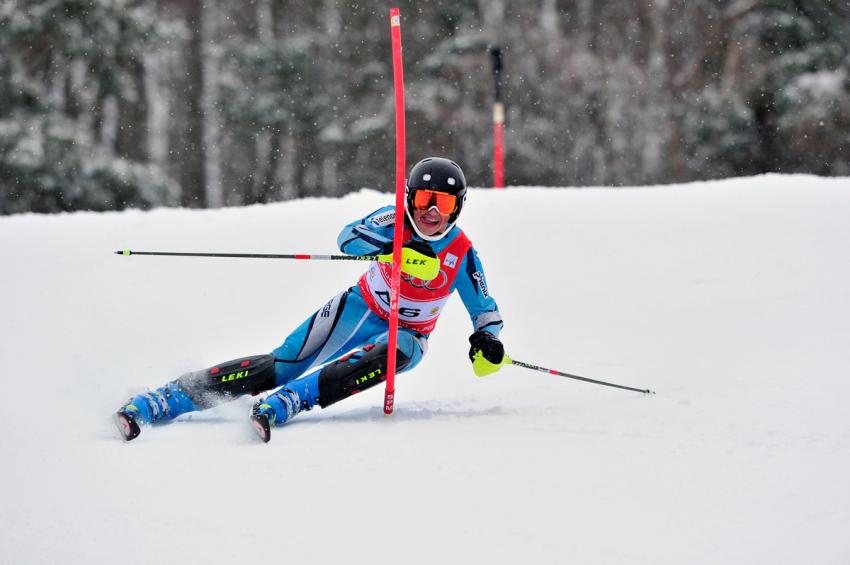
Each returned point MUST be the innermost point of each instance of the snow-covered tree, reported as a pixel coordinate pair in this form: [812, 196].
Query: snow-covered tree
[112, 103]
[64, 67]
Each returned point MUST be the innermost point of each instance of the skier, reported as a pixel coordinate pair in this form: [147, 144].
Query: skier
[437, 258]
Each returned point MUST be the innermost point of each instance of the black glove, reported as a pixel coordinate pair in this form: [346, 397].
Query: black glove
[488, 344]
[422, 247]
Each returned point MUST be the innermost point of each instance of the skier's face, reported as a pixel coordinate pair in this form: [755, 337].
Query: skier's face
[430, 221]
[432, 210]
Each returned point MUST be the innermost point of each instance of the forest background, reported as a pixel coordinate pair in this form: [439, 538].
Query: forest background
[109, 104]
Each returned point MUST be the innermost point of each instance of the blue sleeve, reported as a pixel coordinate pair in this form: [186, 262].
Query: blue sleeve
[369, 235]
[472, 287]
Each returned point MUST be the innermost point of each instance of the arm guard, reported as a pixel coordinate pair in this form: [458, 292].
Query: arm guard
[369, 235]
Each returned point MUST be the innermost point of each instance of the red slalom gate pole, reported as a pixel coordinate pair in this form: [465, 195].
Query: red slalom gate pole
[498, 143]
[498, 118]
[398, 231]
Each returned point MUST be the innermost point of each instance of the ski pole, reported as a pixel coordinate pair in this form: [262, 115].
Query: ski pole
[383, 258]
[585, 379]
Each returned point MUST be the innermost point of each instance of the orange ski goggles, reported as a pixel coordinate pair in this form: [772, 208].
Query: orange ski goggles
[446, 203]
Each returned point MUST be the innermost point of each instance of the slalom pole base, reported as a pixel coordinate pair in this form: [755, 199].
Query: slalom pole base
[389, 402]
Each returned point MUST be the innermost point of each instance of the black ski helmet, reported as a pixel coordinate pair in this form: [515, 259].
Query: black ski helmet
[442, 175]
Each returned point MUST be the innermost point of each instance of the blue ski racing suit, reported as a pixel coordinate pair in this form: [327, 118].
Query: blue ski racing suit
[340, 350]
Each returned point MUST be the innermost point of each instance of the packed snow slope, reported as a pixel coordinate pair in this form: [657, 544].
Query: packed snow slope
[730, 299]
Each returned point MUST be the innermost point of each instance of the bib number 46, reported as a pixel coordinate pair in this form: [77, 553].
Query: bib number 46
[402, 311]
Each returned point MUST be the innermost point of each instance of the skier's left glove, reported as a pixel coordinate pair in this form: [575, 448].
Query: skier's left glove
[486, 353]
[417, 260]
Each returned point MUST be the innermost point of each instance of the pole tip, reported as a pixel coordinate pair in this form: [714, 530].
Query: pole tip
[648, 391]
[124, 252]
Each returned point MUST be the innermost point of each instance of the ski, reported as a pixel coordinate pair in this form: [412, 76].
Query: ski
[262, 426]
[127, 425]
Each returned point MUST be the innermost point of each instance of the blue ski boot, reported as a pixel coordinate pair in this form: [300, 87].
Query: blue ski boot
[153, 407]
[276, 409]
[198, 390]
[284, 404]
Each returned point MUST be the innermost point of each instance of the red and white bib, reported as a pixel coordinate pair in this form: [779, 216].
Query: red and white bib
[420, 302]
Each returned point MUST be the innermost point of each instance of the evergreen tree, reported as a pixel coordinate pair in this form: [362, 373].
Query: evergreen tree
[105, 105]
[63, 64]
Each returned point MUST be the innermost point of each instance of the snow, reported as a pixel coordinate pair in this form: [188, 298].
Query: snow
[828, 82]
[730, 299]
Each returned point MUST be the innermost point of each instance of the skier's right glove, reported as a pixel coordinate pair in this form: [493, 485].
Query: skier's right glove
[486, 353]
[417, 260]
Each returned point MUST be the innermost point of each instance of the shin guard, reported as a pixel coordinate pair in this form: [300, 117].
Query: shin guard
[356, 372]
[247, 375]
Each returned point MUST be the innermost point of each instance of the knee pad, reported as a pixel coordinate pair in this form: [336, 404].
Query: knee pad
[356, 372]
[246, 375]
